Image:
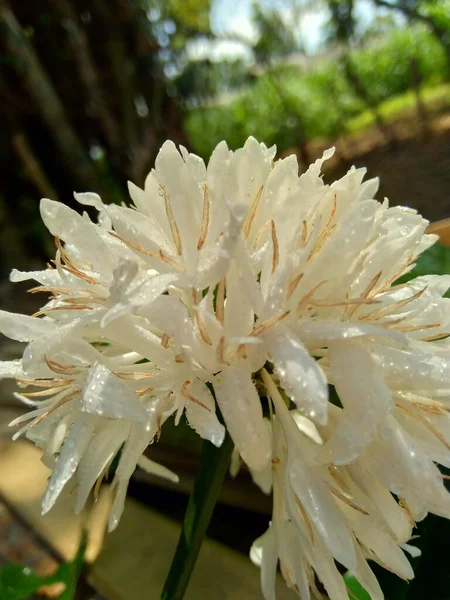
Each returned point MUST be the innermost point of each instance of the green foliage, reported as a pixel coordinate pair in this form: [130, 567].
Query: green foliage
[356, 591]
[18, 582]
[192, 13]
[286, 104]
[385, 69]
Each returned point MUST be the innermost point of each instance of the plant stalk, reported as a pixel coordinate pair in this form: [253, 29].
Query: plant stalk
[210, 475]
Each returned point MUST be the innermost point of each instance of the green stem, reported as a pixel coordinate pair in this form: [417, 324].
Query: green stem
[210, 475]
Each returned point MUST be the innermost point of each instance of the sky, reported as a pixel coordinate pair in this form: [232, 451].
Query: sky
[233, 17]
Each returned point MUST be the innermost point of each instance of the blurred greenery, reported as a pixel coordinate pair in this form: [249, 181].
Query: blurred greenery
[130, 74]
[384, 67]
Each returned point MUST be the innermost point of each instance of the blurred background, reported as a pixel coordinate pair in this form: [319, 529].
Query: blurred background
[91, 88]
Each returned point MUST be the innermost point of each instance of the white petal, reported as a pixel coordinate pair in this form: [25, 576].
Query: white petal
[74, 230]
[128, 295]
[185, 196]
[307, 427]
[264, 553]
[241, 408]
[154, 468]
[71, 453]
[203, 417]
[412, 550]
[106, 395]
[365, 396]
[10, 368]
[238, 310]
[101, 450]
[316, 334]
[300, 375]
[421, 367]
[310, 487]
[401, 465]
[380, 543]
[133, 449]
[23, 328]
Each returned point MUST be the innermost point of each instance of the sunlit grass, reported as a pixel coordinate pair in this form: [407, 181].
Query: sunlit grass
[401, 105]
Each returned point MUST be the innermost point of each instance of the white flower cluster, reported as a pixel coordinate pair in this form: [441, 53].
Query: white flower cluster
[242, 277]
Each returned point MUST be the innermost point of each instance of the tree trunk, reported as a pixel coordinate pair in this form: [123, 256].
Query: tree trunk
[41, 90]
[81, 53]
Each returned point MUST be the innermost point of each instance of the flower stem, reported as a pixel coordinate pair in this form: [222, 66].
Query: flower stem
[210, 475]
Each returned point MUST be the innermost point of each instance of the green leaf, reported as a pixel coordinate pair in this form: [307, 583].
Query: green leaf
[355, 589]
[434, 261]
[18, 582]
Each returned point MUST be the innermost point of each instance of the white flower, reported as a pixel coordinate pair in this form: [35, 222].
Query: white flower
[91, 402]
[214, 276]
[323, 513]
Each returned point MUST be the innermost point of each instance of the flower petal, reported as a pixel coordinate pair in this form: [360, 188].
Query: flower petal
[202, 417]
[106, 395]
[241, 408]
[365, 396]
[300, 375]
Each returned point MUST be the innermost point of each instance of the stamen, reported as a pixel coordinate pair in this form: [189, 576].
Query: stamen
[265, 325]
[303, 302]
[205, 219]
[427, 424]
[347, 500]
[61, 369]
[60, 402]
[252, 212]
[220, 350]
[184, 392]
[293, 285]
[275, 256]
[304, 236]
[260, 233]
[202, 328]
[159, 255]
[173, 224]
[49, 290]
[418, 327]
[387, 310]
[305, 517]
[44, 382]
[135, 376]
[165, 340]
[405, 506]
[366, 292]
[44, 311]
[144, 391]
